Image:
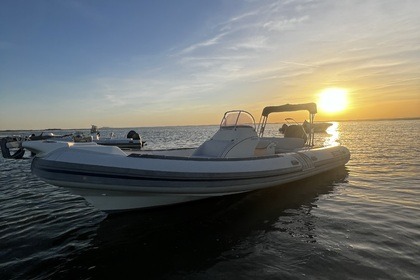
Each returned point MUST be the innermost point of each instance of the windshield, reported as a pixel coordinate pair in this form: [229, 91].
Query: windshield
[237, 118]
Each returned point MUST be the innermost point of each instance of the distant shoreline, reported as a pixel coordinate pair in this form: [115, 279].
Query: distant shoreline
[103, 128]
[380, 119]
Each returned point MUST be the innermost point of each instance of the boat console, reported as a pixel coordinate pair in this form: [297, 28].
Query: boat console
[235, 138]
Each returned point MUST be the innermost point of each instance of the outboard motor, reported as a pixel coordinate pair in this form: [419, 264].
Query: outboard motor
[295, 131]
[134, 135]
[6, 152]
[283, 128]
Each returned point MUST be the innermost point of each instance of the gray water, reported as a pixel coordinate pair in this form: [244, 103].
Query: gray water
[357, 222]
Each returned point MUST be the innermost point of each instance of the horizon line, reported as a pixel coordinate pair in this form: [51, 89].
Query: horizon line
[108, 127]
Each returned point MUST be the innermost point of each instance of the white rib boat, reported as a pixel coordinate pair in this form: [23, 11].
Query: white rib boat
[236, 159]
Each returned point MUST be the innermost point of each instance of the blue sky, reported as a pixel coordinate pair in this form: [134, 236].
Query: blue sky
[70, 64]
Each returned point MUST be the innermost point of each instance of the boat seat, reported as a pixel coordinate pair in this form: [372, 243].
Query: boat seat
[265, 148]
[230, 142]
[212, 148]
[227, 148]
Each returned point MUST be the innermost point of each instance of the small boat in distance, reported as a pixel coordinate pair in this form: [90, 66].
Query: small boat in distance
[307, 127]
[133, 140]
[318, 127]
[11, 146]
[236, 159]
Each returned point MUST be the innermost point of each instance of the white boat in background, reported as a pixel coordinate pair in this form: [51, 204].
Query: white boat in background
[236, 159]
[133, 140]
[318, 127]
[11, 146]
[293, 127]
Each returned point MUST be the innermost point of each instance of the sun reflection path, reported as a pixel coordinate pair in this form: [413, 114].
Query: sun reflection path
[333, 135]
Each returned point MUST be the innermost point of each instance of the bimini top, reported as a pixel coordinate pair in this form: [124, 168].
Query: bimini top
[311, 107]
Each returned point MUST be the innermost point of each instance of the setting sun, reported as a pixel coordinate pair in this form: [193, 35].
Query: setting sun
[332, 100]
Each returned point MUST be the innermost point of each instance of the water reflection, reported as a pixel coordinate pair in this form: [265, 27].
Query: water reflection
[179, 240]
[332, 135]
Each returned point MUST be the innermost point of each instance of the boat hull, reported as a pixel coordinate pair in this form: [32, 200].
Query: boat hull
[114, 182]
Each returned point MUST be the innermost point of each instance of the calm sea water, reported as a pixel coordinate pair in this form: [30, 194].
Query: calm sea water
[357, 222]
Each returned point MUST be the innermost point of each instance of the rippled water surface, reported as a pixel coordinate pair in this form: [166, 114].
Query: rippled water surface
[357, 222]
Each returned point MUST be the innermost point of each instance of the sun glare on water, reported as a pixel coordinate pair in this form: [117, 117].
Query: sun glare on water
[332, 100]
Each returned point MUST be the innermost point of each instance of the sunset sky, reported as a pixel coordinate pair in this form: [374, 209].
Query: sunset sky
[70, 64]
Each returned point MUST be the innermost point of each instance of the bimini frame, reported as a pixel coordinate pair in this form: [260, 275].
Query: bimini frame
[310, 107]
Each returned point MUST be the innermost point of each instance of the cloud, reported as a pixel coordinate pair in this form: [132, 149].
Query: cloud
[285, 24]
[208, 42]
[245, 47]
[296, 46]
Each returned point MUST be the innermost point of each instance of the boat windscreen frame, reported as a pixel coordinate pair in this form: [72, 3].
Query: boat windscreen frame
[310, 107]
[239, 112]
